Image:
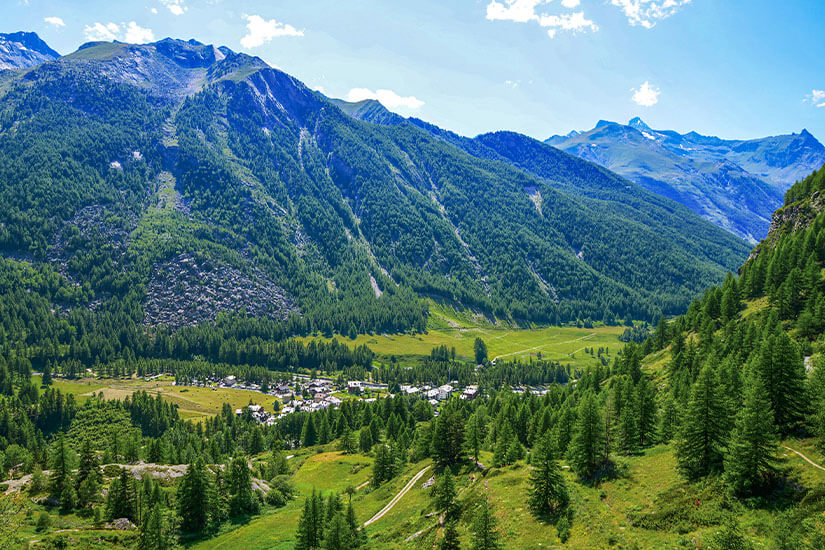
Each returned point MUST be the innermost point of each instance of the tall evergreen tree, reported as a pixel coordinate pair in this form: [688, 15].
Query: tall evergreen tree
[782, 371]
[195, 498]
[586, 450]
[154, 534]
[450, 540]
[701, 439]
[548, 490]
[751, 459]
[485, 535]
[241, 500]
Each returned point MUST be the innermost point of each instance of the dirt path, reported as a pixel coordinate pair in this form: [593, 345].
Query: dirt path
[397, 497]
[497, 357]
[805, 458]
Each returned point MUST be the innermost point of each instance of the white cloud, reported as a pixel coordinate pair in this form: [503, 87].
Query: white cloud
[260, 31]
[128, 32]
[56, 21]
[816, 98]
[136, 34]
[512, 83]
[388, 98]
[575, 22]
[647, 13]
[646, 95]
[524, 11]
[154, 11]
[175, 6]
[100, 32]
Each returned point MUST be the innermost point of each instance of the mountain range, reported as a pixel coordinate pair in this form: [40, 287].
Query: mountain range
[23, 49]
[176, 181]
[736, 184]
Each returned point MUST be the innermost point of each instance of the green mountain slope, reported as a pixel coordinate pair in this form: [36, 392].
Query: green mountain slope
[177, 181]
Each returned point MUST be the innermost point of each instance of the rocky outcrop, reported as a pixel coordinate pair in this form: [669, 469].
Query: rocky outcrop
[185, 291]
[794, 217]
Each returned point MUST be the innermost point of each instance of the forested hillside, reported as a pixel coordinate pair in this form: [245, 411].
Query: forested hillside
[163, 185]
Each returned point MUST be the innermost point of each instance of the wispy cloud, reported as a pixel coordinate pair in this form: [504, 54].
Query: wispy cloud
[646, 13]
[261, 31]
[54, 21]
[128, 32]
[646, 95]
[526, 11]
[815, 98]
[388, 98]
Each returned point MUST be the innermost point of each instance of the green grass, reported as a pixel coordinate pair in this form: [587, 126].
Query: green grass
[193, 403]
[563, 344]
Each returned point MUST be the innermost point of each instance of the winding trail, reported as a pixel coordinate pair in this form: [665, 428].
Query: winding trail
[805, 458]
[396, 498]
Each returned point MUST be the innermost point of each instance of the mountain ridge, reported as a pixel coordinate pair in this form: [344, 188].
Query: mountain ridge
[736, 184]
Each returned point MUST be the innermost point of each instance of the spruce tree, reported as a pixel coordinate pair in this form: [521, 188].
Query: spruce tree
[195, 498]
[701, 439]
[751, 458]
[309, 434]
[782, 372]
[445, 493]
[306, 538]
[154, 533]
[242, 500]
[60, 476]
[485, 535]
[450, 540]
[548, 490]
[335, 536]
[347, 443]
[365, 440]
[586, 449]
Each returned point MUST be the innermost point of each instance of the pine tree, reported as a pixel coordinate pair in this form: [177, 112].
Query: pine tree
[195, 498]
[750, 462]
[309, 434]
[586, 450]
[445, 493]
[480, 350]
[701, 438]
[383, 468]
[485, 535]
[120, 501]
[335, 536]
[242, 500]
[365, 440]
[347, 442]
[154, 534]
[645, 412]
[448, 439]
[355, 536]
[61, 468]
[450, 540]
[47, 374]
[309, 524]
[473, 436]
[548, 490]
[782, 372]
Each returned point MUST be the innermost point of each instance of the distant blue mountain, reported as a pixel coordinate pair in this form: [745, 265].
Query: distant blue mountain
[735, 184]
[20, 50]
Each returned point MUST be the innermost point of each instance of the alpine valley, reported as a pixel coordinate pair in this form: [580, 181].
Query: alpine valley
[238, 313]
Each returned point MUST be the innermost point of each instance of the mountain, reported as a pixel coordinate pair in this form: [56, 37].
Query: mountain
[20, 50]
[172, 182]
[733, 183]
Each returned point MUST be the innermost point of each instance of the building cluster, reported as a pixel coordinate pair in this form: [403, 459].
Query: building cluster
[306, 394]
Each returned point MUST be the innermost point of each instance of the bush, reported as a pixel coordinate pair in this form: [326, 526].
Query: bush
[43, 522]
[275, 498]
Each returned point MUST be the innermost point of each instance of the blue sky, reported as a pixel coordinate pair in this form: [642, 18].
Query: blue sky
[733, 68]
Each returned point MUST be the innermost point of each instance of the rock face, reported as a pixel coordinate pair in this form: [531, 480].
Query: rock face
[21, 50]
[184, 291]
[794, 217]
